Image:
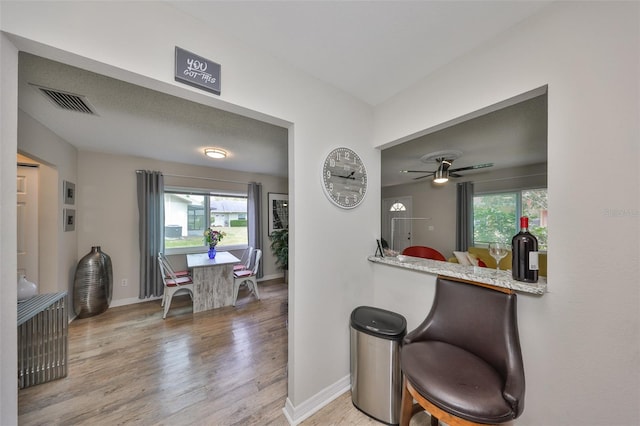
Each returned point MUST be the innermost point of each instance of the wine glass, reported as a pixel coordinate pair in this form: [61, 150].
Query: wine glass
[498, 251]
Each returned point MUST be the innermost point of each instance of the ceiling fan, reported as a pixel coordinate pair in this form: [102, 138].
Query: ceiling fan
[444, 170]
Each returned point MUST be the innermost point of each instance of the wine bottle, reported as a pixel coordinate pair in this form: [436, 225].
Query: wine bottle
[524, 250]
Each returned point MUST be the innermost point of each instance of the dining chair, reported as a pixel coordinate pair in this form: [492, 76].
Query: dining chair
[248, 277]
[463, 364]
[172, 284]
[183, 273]
[245, 260]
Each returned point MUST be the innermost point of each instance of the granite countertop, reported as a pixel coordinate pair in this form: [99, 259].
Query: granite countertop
[470, 273]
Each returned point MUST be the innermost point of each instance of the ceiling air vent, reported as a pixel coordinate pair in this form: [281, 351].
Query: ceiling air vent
[67, 101]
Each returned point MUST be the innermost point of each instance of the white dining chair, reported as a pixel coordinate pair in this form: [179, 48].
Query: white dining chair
[172, 284]
[248, 277]
[183, 273]
[245, 260]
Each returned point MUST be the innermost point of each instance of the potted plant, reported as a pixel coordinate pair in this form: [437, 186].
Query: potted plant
[280, 247]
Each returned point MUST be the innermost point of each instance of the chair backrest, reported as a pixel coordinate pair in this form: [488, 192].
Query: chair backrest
[163, 270]
[255, 261]
[245, 260]
[424, 252]
[479, 320]
[165, 267]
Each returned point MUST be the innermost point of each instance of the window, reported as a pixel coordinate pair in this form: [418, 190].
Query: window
[398, 207]
[496, 217]
[187, 214]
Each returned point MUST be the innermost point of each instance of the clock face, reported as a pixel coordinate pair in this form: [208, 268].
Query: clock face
[344, 178]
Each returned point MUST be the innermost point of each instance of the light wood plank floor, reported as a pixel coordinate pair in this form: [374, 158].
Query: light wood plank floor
[221, 367]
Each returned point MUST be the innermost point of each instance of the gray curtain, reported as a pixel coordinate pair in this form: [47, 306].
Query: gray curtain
[151, 231]
[464, 215]
[254, 216]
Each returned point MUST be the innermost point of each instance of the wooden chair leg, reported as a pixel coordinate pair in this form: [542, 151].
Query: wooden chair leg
[435, 412]
[406, 405]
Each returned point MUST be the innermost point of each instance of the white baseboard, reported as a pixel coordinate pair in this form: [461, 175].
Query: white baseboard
[121, 302]
[295, 415]
[134, 300]
[131, 301]
[271, 277]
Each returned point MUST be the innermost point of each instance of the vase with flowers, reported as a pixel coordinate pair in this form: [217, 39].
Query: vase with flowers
[213, 237]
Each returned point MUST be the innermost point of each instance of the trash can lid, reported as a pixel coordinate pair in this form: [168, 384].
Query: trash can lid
[379, 322]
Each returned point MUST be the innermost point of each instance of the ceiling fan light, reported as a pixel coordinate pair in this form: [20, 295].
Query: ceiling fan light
[215, 153]
[440, 176]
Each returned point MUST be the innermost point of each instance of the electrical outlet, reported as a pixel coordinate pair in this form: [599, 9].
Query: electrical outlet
[124, 282]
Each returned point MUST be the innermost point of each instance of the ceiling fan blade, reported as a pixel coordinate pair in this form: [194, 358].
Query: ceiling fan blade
[425, 176]
[416, 171]
[477, 166]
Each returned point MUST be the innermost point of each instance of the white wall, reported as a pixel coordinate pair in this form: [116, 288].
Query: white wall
[107, 214]
[8, 235]
[57, 249]
[581, 340]
[329, 274]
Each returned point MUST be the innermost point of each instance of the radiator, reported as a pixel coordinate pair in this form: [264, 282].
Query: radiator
[42, 339]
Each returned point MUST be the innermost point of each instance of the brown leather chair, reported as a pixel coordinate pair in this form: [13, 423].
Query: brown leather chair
[424, 252]
[463, 364]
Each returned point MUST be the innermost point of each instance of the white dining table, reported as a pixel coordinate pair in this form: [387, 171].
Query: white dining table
[212, 280]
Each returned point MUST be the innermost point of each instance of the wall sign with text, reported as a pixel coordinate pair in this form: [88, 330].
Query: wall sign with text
[197, 71]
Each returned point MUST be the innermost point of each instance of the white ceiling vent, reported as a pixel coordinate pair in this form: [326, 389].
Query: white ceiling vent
[65, 100]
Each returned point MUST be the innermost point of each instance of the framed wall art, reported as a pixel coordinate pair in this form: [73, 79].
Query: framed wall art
[69, 219]
[69, 191]
[278, 211]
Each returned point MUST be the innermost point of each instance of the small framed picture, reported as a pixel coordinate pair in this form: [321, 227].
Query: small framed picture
[69, 190]
[278, 211]
[69, 220]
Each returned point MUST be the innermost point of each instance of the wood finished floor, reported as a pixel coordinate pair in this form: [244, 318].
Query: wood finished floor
[221, 367]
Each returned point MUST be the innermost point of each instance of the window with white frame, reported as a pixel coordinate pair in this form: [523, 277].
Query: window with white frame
[187, 213]
[496, 216]
[397, 207]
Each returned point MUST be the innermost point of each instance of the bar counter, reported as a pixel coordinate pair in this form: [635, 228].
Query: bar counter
[473, 274]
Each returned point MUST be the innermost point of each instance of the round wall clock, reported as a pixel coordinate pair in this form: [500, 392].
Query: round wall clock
[344, 178]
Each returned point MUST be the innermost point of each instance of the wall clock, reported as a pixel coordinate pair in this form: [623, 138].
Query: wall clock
[344, 178]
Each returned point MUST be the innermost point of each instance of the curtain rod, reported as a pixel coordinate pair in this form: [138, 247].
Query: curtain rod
[203, 178]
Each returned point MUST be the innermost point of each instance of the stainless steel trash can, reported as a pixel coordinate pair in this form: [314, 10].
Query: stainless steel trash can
[376, 379]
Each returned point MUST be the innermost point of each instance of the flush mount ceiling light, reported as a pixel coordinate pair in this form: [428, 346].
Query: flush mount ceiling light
[215, 153]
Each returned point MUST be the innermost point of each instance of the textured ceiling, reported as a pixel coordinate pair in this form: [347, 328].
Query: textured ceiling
[370, 49]
[513, 136]
[132, 120]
